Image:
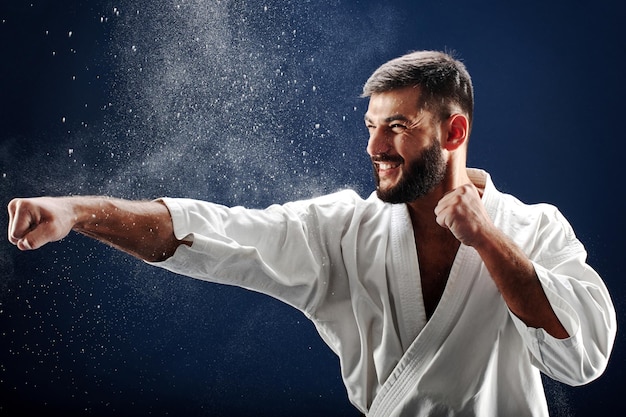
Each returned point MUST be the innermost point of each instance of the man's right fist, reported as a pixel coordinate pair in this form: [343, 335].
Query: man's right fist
[33, 222]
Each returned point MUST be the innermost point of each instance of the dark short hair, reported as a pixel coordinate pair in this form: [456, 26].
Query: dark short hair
[442, 79]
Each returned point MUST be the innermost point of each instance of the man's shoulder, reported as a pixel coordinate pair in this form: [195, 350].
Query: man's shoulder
[526, 210]
[535, 226]
[499, 201]
[345, 197]
[343, 206]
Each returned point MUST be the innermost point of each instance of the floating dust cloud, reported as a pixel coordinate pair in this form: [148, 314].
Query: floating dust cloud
[223, 100]
[237, 103]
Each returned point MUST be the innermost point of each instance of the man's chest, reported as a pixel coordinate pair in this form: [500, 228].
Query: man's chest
[435, 262]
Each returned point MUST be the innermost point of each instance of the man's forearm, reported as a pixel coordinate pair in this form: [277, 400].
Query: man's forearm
[515, 277]
[141, 228]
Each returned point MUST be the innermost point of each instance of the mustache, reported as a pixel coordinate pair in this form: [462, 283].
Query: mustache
[383, 157]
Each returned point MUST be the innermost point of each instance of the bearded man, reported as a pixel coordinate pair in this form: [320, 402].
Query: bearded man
[441, 295]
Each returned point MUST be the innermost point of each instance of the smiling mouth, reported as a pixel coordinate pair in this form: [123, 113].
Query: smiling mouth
[382, 166]
[386, 162]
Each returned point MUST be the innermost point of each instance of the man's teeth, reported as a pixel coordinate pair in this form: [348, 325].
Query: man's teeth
[383, 165]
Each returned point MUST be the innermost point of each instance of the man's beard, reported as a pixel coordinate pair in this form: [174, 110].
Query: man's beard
[418, 178]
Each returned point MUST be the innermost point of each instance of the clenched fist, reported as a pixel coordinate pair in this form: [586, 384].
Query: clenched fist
[463, 213]
[34, 222]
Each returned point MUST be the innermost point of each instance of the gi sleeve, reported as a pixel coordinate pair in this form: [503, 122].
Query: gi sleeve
[278, 251]
[580, 300]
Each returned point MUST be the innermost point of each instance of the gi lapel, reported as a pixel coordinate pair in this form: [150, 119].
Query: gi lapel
[410, 368]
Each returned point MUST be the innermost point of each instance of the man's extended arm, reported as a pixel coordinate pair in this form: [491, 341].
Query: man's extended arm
[140, 228]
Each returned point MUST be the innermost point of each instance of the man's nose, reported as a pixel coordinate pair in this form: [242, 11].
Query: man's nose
[379, 142]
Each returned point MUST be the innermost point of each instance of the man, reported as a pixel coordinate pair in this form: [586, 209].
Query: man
[441, 295]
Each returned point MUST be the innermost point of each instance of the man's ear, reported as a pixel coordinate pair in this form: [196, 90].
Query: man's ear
[458, 131]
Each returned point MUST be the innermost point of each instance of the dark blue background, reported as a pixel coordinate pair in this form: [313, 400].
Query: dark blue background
[253, 103]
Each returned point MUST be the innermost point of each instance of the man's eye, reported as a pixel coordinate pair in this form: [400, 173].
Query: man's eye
[398, 127]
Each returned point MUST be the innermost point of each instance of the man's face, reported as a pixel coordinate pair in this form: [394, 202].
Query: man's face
[404, 146]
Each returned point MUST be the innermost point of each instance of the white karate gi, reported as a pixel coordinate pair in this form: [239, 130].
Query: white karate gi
[351, 266]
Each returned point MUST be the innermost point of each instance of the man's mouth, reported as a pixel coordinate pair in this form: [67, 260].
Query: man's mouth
[387, 165]
[386, 162]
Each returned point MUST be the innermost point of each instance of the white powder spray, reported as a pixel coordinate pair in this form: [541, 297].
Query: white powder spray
[238, 103]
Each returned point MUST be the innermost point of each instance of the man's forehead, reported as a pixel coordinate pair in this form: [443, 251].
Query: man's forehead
[401, 104]
[404, 97]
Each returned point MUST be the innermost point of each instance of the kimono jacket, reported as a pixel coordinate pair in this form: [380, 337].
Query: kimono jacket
[351, 266]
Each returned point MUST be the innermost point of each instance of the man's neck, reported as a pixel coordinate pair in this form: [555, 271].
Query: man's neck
[422, 210]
